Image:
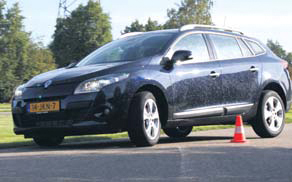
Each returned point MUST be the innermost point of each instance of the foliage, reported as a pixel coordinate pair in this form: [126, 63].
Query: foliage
[288, 57]
[152, 25]
[41, 59]
[188, 12]
[279, 51]
[86, 29]
[18, 58]
[276, 48]
[136, 26]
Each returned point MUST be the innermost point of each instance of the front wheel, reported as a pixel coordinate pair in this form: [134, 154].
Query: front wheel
[178, 132]
[270, 119]
[48, 141]
[144, 127]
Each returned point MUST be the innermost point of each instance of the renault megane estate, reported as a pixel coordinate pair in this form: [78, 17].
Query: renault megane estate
[169, 79]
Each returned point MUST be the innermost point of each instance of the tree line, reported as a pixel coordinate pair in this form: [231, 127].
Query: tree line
[20, 57]
[84, 30]
[187, 12]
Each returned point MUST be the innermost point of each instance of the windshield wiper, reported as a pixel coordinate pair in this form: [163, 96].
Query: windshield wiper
[72, 65]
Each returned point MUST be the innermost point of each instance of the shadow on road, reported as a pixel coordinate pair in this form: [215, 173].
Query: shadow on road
[30, 143]
[106, 143]
[125, 143]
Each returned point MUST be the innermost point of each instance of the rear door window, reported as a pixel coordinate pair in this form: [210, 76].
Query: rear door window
[255, 47]
[226, 47]
[195, 43]
[245, 50]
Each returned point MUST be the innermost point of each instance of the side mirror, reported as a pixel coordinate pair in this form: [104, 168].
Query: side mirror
[181, 55]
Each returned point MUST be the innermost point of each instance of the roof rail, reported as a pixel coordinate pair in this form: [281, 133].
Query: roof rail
[194, 26]
[130, 34]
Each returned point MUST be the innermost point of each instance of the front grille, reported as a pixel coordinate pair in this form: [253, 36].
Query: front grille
[55, 91]
[34, 120]
[44, 99]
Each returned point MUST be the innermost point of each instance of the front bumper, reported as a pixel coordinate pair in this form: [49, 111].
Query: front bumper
[92, 113]
[84, 128]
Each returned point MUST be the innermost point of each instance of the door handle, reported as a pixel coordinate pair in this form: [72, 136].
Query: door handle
[214, 74]
[253, 69]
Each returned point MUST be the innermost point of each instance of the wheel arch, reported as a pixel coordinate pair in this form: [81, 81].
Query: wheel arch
[274, 86]
[161, 99]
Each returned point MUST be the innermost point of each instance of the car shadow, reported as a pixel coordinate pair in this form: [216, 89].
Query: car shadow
[106, 143]
[126, 143]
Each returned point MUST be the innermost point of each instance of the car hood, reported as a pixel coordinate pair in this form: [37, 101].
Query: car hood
[76, 74]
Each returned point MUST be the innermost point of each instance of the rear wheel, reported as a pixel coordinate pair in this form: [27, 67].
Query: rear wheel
[178, 132]
[144, 128]
[48, 141]
[270, 119]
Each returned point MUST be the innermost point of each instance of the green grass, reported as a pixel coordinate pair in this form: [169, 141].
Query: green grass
[5, 107]
[9, 139]
[289, 117]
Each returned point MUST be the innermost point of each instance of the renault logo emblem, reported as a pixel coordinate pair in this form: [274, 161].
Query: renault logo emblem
[48, 83]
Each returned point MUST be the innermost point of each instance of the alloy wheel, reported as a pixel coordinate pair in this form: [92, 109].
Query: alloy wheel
[151, 119]
[273, 114]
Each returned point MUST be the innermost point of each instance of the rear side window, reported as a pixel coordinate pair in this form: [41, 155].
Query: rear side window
[255, 47]
[196, 44]
[245, 50]
[226, 47]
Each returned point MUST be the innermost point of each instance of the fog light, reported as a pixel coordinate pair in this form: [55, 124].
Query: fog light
[106, 112]
[97, 115]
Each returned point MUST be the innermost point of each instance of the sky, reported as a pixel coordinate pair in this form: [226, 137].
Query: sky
[263, 19]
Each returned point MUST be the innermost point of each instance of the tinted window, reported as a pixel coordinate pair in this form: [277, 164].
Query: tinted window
[129, 49]
[245, 50]
[226, 47]
[255, 47]
[196, 44]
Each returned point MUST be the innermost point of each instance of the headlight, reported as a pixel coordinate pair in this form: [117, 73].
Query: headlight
[19, 90]
[96, 84]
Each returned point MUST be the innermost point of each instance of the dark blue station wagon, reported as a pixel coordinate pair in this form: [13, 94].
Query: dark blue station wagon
[170, 79]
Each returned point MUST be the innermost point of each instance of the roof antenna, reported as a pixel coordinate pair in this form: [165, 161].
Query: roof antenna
[225, 18]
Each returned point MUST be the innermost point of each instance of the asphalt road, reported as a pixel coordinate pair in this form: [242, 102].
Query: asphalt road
[205, 156]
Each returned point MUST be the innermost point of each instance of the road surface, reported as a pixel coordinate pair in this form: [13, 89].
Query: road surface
[204, 156]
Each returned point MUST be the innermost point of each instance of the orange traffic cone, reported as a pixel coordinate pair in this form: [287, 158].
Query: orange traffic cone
[239, 136]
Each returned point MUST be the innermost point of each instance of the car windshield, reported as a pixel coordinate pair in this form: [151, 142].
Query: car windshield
[129, 49]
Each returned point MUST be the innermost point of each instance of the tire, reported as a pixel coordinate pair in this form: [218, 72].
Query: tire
[144, 120]
[178, 132]
[48, 141]
[270, 119]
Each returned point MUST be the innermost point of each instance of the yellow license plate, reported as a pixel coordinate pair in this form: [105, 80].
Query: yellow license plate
[51, 106]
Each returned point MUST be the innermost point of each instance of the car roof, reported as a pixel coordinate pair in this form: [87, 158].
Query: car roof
[215, 32]
[177, 31]
[202, 29]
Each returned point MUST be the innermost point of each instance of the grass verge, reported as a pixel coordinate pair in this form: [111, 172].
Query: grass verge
[8, 139]
[5, 107]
